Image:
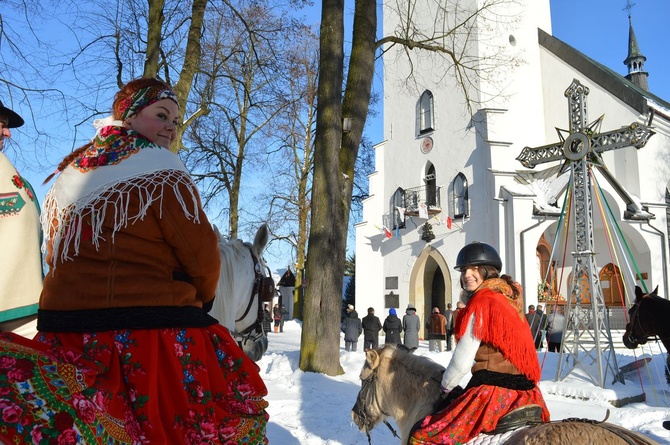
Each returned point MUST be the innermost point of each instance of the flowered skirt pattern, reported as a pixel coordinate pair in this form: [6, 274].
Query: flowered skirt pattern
[163, 386]
[477, 410]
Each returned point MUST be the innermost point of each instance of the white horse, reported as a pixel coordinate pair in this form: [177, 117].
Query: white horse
[244, 284]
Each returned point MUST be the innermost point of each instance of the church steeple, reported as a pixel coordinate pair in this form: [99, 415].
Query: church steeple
[635, 60]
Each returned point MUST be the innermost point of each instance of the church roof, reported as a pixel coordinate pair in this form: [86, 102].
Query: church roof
[616, 84]
[633, 48]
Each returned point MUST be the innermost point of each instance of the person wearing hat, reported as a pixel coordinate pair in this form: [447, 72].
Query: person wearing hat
[411, 323]
[20, 237]
[352, 328]
[437, 330]
[392, 327]
[491, 333]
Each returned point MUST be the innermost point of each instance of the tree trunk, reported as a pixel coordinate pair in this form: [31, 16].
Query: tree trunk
[191, 62]
[154, 37]
[334, 160]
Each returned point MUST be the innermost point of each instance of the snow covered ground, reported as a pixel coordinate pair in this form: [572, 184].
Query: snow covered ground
[315, 409]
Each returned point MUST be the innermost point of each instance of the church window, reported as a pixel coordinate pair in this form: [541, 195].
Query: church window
[431, 187]
[398, 209]
[459, 196]
[425, 113]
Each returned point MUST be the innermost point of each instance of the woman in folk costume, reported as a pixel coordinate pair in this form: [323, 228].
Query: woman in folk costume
[134, 264]
[491, 333]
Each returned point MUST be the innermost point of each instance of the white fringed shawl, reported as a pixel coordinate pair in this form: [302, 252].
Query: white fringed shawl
[77, 195]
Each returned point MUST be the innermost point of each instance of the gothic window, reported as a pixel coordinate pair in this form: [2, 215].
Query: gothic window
[398, 208]
[425, 115]
[459, 198]
[431, 187]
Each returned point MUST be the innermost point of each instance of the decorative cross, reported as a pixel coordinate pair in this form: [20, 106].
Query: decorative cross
[580, 149]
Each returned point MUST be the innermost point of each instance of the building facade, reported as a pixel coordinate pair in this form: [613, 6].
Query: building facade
[448, 174]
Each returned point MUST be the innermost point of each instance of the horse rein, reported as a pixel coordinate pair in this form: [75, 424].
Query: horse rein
[360, 405]
[264, 287]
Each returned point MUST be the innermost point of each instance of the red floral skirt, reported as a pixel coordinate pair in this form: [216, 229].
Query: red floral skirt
[477, 410]
[162, 386]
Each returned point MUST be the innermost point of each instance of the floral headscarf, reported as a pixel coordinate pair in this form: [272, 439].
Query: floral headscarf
[143, 98]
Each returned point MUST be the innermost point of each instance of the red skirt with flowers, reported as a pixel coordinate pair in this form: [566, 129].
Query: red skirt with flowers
[160, 386]
[475, 411]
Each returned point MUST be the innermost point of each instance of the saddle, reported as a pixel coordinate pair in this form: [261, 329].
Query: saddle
[522, 416]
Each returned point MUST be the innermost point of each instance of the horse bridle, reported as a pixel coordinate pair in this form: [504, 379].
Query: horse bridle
[635, 322]
[264, 287]
[368, 384]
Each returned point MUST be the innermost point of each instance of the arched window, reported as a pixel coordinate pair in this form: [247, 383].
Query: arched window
[425, 114]
[431, 187]
[398, 208]
[459, 198]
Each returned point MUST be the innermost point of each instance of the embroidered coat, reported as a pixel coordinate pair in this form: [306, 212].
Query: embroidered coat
[21, 261]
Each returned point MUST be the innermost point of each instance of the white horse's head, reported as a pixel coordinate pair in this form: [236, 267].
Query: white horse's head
[244, 283]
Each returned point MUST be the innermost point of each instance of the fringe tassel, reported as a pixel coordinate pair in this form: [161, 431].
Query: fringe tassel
[497, 323]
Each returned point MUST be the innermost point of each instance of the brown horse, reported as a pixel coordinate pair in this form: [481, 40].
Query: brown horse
[648, 318]
[403, 386]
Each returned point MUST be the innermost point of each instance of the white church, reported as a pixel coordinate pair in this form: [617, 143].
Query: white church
[447, 175]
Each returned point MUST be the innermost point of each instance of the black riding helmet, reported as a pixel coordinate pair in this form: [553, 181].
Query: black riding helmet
[478, 254]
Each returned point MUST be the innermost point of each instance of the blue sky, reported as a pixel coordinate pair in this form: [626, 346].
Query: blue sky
[599, 29]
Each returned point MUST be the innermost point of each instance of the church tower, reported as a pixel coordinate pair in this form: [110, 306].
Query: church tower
[635, 61]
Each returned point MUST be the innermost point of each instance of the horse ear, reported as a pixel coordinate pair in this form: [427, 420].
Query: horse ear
[638, 293]
[372, 357]
[261, 238]
[654, 293]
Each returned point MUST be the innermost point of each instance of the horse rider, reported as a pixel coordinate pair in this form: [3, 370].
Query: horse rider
[491, 332]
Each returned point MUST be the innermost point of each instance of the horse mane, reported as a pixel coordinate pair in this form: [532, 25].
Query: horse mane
[412, 377]
[231, 252]
[416, 367]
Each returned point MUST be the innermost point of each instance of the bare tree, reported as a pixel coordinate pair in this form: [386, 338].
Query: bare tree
[292, 163]
[243, 79]
[448, 36]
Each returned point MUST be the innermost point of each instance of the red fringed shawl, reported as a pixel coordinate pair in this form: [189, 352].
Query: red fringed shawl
[498, 323]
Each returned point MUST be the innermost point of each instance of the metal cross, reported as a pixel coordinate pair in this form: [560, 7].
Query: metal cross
[588, 327]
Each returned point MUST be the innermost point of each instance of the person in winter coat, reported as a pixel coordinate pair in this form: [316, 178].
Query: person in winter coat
[492, 334]
[534, 321]
[283, 312]
[411, 323]
[277, 316]
[450, 316]
[371, 327]
[267, 319]
[437, 330]
[352, 328]
[555, 329]
[392, 327]
[20, 238]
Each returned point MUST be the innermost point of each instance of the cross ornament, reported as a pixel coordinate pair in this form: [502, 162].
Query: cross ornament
[581, 148]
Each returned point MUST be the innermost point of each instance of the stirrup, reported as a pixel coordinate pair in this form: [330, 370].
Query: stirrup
[524, 415]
